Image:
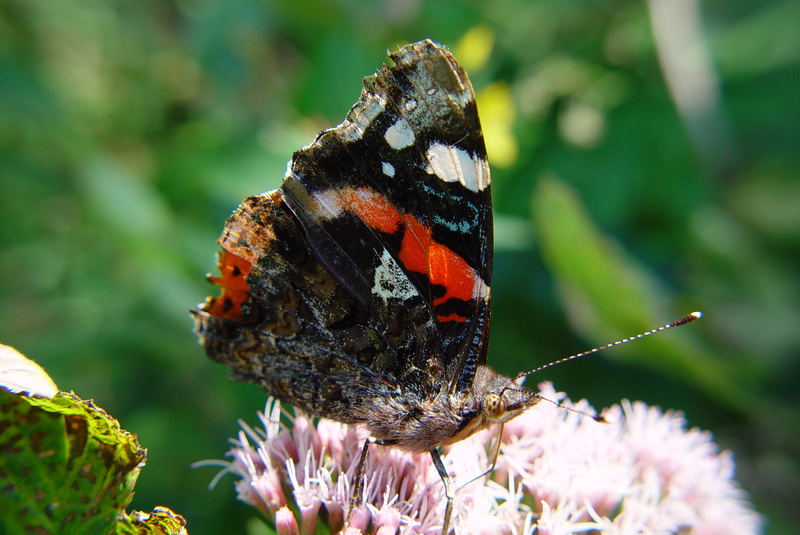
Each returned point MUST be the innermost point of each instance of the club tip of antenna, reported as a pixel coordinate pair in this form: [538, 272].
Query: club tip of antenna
[696, 315]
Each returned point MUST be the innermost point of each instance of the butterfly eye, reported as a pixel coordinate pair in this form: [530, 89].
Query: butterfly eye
[493, 406]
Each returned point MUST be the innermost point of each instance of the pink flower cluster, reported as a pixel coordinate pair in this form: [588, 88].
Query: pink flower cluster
[558, 472]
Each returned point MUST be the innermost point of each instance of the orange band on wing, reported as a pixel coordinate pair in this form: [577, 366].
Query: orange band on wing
[419, 252]
[373, 208]
[231, 280]
[451, 317]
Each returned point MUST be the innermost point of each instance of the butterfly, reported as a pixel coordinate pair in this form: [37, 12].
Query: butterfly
[360, 289]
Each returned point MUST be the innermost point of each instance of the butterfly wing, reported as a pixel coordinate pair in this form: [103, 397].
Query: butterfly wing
[365, 277]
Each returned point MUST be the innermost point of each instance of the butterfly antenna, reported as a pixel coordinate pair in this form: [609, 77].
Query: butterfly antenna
[688, 318]
[596, 417]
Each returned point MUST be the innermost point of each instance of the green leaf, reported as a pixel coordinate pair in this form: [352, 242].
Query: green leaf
[67, 467]
[607, 293]
[160, 521]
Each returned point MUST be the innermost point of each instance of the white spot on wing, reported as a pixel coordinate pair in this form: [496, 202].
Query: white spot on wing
[454, 164]
[360, 117]
[481, 290]
[388, 169]
[463, 98]
[329, 203]
[390, 280]
[399, 135]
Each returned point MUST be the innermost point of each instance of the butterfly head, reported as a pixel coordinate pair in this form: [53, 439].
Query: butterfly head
[500, 398]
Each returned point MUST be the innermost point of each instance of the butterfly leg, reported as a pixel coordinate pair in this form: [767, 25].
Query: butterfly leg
[495, 454]
[448, 489]
[358, 478]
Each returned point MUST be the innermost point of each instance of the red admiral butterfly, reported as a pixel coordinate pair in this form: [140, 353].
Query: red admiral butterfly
[359, 291]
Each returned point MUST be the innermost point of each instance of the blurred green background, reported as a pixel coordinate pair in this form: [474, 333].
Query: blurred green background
[645, 160]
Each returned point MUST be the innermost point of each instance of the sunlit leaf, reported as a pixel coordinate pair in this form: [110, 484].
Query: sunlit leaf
[67, 466]
[18, 374]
